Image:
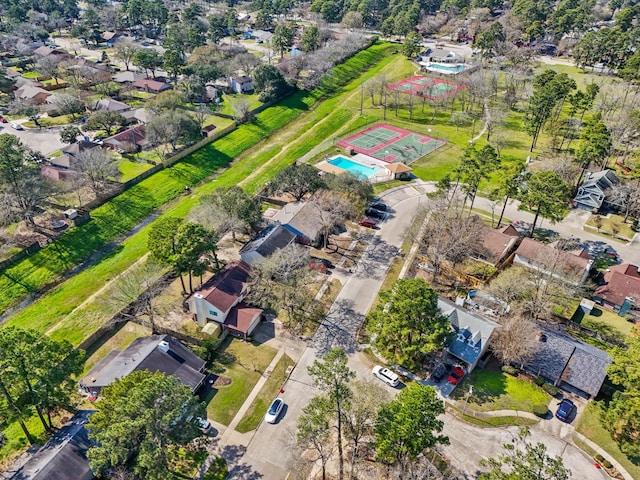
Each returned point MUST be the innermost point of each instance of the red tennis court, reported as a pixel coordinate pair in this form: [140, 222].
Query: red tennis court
[430, 88]
[391, 144]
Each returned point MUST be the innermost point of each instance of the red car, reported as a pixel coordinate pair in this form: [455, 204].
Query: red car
[369, 223]
[3, 120]
[455, 376]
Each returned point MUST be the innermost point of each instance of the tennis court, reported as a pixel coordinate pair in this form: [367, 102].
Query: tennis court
[430, 88]
[391, 144]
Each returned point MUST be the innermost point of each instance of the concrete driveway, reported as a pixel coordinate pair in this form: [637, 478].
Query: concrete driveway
[46, 140]
[268, 453]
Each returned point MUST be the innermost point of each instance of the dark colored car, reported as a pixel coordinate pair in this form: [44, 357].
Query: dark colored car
[372, 212]
[439, 372]
[565, 409]
[379, 206]
[455, 376]
[368, 222]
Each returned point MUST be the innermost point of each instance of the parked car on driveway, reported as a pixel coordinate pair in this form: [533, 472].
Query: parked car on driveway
[386, 375]
[379, 206]
[455, 376]
[16, 126]
[3, 120]
[440, 372]
[372, 212]
[565, 410]
[368, 222]
[274, 411]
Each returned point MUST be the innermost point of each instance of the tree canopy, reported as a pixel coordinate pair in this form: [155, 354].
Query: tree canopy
[407, 323]
[546, 194]
[141, 419]
[297, 180]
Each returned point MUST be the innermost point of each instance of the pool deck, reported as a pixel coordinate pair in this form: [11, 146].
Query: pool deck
[382, 175]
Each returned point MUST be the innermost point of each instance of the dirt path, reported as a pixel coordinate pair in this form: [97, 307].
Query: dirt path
[95, 294]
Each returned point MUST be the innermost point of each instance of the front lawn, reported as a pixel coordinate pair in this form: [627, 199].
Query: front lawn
[590, 426]
[494, 390]
[52, 121]
[612, 226]
[268, 392]
[243, 363]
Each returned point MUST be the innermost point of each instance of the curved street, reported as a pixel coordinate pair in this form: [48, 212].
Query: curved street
[266, 453]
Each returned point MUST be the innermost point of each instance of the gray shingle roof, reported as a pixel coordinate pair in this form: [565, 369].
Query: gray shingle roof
[144, 354]
[64, 456]
[270, 239]
[561, 357]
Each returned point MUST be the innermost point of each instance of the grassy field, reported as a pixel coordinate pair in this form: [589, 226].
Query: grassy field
[129, 169]
[591, 428]
[267, 393]
[605, 321]
[224, 402]
[494, 390]
[118, 216]
[226, 106]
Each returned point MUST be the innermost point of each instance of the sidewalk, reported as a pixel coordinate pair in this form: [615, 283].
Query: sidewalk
[223, 440]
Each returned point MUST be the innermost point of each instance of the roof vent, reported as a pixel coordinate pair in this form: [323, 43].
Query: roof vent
[163, 346]
[542, 337]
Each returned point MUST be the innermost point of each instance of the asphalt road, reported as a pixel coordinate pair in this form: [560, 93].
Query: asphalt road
[46, 140]
[268, 453]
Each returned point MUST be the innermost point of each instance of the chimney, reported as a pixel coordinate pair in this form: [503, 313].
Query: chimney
[163, 346]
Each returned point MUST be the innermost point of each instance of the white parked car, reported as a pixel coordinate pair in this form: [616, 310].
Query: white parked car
[386, 375]
[274, 411]
[16, 126]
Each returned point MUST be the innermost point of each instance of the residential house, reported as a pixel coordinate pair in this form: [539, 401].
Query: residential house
[63, 457]
[131, 140]
[593, 191]
[472, 333]
[139, 115]
[150, 86]
[62, 168]
[128, 77]
[621, 290]
[270, 239]
[497, 244]
[111, 37]
[111, 105]
[220, 301]
[572, 266]
[241, 84]
[304, 219]
[155, 353]
[568, 363]
[35, 94]
[260, 36]
[47, 52]
[77, 148]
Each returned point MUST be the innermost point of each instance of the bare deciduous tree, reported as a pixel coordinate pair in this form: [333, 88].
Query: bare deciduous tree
[98, 167]
[627, 196]
[515, 340]
[334, 207]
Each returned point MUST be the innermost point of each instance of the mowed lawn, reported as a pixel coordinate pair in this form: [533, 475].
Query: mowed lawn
[242, 362]
[494, 390]
[591, 427]
[268, 392]
[139, 202]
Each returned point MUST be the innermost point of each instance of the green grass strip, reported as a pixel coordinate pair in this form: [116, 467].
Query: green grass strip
[123, 212]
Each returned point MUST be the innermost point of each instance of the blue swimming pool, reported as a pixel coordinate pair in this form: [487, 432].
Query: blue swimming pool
[446, 68]
[357, 169]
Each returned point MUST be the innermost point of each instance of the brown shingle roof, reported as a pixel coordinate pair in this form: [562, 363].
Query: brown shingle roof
[398, 168]
[223, 290]
[538, 252]
[495, 244]
[149, 84]
[621, 281]
[240, 317]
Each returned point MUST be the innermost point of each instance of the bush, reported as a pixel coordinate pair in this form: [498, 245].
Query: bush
[510, 370]
[599, 458]
[538, 381]
[550, 389]
[606, 464]
[540, 410]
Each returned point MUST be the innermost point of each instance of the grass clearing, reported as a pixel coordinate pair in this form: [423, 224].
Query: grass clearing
[242, 362]
[605, 321]
[125, 211]
[590, 426]
[131, 169]
[490, 422]
[267, 393]
[495, 390]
